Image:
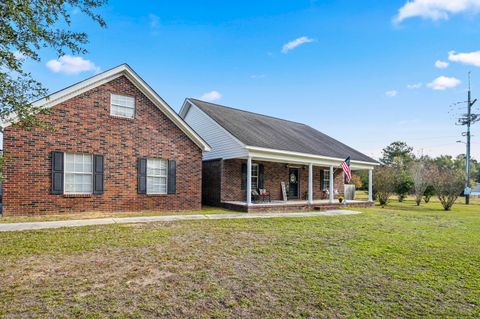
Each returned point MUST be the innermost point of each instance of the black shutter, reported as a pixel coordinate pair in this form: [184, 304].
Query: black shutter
[261, 176]
[244, 176]
[57, 172]
[172, 177]
[322, 178]
[98, 173]
[142, 175]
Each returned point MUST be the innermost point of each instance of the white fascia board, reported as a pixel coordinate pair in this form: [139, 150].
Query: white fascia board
[107, 76]
[267, 154]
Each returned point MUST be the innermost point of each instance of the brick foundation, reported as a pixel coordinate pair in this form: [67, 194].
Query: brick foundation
[289, 207]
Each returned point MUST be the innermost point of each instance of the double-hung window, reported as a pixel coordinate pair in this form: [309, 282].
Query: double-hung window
[123, 106]
[78, 173]
[326, 180]
[157, 176]
[254, 176]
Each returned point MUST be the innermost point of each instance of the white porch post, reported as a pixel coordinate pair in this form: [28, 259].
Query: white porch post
[310, 183]
[331, 190]
[370, 185]
[249, 181]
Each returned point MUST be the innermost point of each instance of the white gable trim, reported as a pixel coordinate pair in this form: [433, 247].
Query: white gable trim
[107, 76]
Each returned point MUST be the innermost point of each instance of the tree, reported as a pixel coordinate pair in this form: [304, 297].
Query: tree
[25, 28]
[448, 184]
[403, 183]
[397, 154]
[429, 192]
[357, 181]
[384, 184]
[420, 174]
[363, 175]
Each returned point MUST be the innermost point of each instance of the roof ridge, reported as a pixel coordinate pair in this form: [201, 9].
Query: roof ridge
[250, 112]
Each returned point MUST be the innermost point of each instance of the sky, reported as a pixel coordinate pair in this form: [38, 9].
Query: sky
[364, 72]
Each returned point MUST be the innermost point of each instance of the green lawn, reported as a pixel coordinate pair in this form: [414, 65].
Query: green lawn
[401, 261]
[90, 215]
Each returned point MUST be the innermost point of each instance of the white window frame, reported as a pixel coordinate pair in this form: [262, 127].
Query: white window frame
[150, 192]
[65, 172]
[120, 106]
[255, 175]
[326, 180]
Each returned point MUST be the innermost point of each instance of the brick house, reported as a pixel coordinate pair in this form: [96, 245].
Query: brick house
[297, 165]
[111, 144]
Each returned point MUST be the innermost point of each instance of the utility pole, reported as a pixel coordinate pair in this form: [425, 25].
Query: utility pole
[467, 120]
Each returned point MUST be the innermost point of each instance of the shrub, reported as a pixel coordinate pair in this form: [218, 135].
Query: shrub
[420, 173]
[403, 184]
[429, 192]
[448, 184]
[384, 184]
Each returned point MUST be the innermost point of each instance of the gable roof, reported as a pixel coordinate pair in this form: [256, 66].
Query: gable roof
[107, 76]
[268, 132]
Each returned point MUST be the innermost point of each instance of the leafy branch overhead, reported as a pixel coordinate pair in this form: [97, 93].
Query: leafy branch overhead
[26, 27]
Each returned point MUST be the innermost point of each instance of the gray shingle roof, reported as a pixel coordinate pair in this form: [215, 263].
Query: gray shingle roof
[259, 130]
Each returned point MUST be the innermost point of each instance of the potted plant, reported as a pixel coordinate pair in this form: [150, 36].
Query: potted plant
[340, 199]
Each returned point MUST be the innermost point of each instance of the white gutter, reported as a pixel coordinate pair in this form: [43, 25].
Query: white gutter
[303, 158]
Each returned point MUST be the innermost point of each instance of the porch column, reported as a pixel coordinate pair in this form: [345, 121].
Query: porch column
[310, 183]
[370, 185]
[331, 190]
[249, 181]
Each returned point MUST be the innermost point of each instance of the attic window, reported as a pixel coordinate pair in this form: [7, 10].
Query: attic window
[123, 106]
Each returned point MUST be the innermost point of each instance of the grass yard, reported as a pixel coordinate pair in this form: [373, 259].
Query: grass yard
[401, 261]
[90, 215]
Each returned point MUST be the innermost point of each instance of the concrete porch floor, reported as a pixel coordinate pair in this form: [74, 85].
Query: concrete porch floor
[292, 205]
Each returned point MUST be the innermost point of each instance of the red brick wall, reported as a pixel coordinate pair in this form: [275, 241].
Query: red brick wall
[274, 174]
[84, 124]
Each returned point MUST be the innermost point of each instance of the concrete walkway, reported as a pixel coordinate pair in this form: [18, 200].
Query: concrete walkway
[149, 219]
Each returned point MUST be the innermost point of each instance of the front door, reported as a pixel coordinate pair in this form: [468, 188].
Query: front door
[293, 183]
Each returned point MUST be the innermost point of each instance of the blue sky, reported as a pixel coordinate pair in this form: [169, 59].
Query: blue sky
[361, 71]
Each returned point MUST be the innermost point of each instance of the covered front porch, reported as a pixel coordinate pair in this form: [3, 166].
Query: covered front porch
[293, 181]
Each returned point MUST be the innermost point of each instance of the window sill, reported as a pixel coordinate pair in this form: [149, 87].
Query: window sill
[157, 195]
[118, 117]
[77, 195]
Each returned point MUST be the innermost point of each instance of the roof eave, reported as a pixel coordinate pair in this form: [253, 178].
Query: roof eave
[305, 158]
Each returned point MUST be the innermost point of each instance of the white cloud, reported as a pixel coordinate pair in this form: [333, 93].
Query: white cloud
[295, 43]
[435, 9]
[211, 96]
[154, 21]
[414, 86]
[441, 64]
[444, 82]
[472, 58]
[72, 65]
[391, 93]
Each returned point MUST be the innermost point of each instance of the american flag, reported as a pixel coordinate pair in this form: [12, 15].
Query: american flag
[346, 169]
